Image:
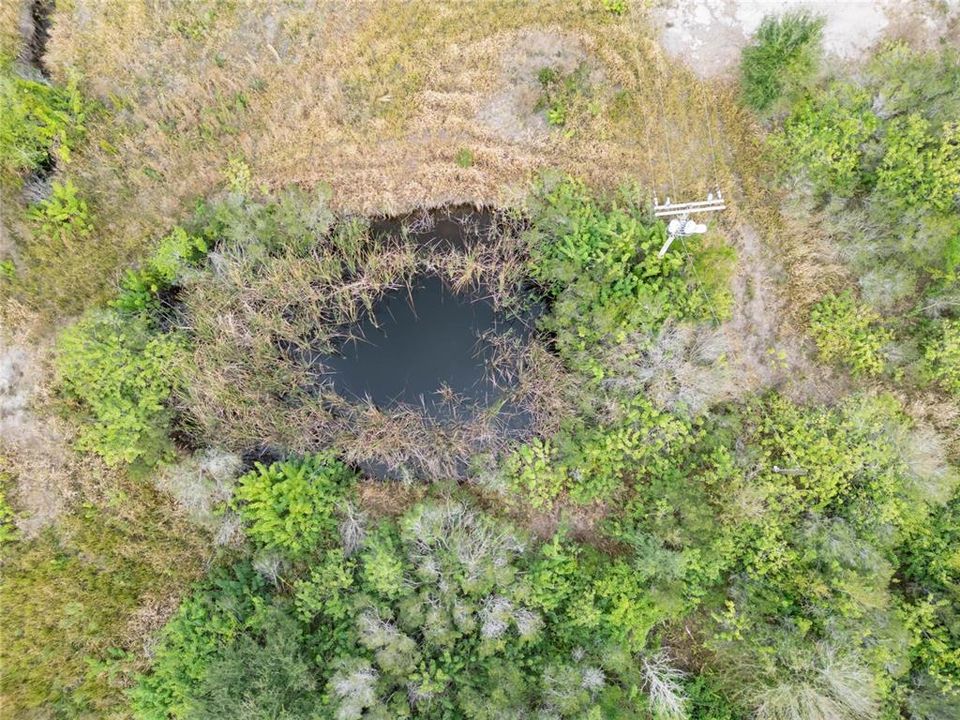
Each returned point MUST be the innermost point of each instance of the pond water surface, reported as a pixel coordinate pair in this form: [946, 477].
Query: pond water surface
[423, 340]
[426, 343]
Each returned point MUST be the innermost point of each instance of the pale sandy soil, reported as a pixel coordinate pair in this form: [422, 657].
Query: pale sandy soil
[707, 35]
[29, 440]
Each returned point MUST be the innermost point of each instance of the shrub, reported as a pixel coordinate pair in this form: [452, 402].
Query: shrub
[535, 469]
[931, 563]
[942, 357]
[850, 333]
[324, 593]
[591, 463]
[192, 640]
[908, 80]
[38, 123]
[782, 56]
[289, 505]
[120, 373]
[265, 673]
[63, 217]
[920, 169]
[824, 137]
[176, 252]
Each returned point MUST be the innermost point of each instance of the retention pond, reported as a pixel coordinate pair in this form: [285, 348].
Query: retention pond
[427, 345]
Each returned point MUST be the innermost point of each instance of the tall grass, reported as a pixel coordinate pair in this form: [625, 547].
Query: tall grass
[373, 98]
[782, 56]
[270, 307]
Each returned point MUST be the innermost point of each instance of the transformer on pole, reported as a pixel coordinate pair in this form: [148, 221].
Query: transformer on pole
[680, 224]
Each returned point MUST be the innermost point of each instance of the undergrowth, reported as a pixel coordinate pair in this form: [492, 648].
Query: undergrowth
[782, 57]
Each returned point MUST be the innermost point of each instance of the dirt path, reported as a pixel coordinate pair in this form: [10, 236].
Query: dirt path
[708, 34]
[763, 352]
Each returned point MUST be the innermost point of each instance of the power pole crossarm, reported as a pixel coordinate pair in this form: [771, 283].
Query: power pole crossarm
[687, 208]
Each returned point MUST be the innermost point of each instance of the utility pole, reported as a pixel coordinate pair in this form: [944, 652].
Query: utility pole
[680, 224]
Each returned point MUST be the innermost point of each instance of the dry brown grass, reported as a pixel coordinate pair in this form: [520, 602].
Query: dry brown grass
[11, 37]
[373, 98]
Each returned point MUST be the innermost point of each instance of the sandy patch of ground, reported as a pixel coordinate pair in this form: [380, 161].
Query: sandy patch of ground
[33, 448]
[509, 112]
[709, 34]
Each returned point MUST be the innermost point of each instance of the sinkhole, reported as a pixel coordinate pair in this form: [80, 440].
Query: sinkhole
[427, 345]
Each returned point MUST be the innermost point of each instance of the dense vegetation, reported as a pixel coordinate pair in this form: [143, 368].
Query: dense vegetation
[877, 160]
[661, 540]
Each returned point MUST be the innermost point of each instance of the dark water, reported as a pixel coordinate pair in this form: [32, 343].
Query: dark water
[456, 227]
[421, 340]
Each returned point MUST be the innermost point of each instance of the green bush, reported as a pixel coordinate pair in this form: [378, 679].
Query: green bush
[824, 137]
[919, 168]
[591, 463]
[38, 122]
[942, 357]
[535, 470]
[193, 639]
[177, 251]
[931, 562]
[264, 673]
[290, 505]
[849, 333]
[63, 217]
[121, 373]
[782, 56]
[908, 80]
